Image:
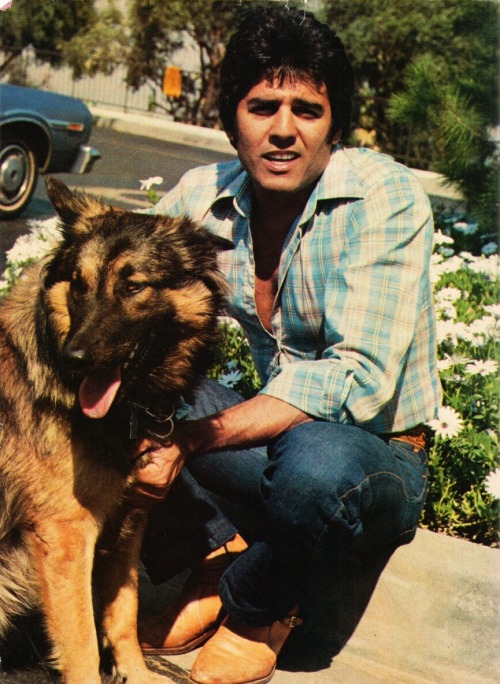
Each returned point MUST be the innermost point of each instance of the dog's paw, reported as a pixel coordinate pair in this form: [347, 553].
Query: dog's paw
[140, 676]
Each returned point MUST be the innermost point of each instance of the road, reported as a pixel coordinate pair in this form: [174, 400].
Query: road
[125, 160]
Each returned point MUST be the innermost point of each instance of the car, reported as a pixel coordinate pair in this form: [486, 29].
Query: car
[40, 131]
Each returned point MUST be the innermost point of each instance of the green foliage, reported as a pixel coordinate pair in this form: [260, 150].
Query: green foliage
[45, 25]
[99, 48]
[460, 501]
[461, 140]
[457, 503]
[234, 366]
[427, 73]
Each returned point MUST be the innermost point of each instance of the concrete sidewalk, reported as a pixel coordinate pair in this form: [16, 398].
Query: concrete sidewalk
[431, 617]
[427, 615]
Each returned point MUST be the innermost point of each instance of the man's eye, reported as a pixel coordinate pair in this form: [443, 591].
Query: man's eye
[306, 113]
[262, 110]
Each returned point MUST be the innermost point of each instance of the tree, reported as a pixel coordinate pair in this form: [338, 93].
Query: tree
[47, 26]
[159, 29]
[383, 37]
[457, 130]
[101, 47]
[428, 74]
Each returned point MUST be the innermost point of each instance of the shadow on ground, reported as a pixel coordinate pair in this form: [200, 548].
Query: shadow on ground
[331, 615]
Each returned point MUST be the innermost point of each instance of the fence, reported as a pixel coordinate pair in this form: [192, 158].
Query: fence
[109, 90]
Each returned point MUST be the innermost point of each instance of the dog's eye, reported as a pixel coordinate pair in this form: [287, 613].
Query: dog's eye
[133, 287]
[78, 284]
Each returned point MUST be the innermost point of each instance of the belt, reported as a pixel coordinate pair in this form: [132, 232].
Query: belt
[417, 436]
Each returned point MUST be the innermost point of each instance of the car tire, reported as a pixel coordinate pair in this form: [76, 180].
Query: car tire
[18, 176]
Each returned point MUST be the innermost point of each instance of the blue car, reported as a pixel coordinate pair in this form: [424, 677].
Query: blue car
[40, 132]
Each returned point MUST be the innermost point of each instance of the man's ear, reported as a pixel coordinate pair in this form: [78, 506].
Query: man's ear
[336, 136]
[232, 137]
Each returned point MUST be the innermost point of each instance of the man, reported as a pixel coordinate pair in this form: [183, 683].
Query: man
[329, 279]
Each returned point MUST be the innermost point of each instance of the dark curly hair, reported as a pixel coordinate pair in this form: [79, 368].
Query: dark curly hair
[280, 42]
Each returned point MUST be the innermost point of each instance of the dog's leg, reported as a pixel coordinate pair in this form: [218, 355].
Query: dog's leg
[63, 552]
[117, 578]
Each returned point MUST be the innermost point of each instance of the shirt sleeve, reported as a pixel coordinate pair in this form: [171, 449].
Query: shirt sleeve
[376, 296]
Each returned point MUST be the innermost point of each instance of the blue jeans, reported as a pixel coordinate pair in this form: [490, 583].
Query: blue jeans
[319, 490]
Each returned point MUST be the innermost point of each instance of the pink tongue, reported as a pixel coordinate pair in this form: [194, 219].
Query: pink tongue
[98, 391]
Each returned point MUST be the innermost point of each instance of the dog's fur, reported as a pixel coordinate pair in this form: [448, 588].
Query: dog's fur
[101, 338]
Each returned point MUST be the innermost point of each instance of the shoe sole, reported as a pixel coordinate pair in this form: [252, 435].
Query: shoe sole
[179, 650]
[262, 680]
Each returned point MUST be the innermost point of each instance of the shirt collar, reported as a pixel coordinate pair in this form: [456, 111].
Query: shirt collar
[239, 191]
[338, 181]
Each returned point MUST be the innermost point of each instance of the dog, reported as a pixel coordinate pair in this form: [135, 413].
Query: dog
[98, 344]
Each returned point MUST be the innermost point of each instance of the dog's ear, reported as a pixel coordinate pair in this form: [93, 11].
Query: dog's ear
[219, 243]
[72, 205]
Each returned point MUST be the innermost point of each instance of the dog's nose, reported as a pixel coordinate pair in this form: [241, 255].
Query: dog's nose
[77, 359]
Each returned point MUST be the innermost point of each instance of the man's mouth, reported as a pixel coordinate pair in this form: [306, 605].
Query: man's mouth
[281, 157]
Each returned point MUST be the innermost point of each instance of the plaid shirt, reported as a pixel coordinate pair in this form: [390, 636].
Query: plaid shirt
[353, 327]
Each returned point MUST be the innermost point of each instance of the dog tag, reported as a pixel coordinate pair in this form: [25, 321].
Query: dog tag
[134, 424]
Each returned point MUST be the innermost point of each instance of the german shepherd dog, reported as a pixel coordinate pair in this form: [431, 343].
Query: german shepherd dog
[97, 345]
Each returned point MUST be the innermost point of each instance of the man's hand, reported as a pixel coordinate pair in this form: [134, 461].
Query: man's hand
[156, 467]
[254, 421]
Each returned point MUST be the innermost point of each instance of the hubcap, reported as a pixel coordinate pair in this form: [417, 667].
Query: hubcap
[14, 172]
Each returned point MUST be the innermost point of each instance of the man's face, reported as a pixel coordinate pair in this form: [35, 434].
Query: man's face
[283, 136]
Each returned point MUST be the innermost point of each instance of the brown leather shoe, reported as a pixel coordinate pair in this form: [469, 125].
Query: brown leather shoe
[195, 615]
[238, 654]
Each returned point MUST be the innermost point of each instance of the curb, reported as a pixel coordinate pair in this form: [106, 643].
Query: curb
[160, 128]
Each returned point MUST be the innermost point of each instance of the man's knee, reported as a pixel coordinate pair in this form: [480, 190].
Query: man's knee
[322, 472]
[325, 455]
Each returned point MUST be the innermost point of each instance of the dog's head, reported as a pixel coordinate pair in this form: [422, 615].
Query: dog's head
[132, 301]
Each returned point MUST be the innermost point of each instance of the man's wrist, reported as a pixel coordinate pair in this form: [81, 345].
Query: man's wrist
[195, 436]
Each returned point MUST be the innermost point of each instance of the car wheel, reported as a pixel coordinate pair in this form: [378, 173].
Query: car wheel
[18, 176]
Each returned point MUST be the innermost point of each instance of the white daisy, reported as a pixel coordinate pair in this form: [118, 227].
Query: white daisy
[451, 331]
[488, 266]
[486, 326]
[230, 322]
[436, 258]
[441, 239]
[43, 236]
[448, 294]
[479, 367]
[445, 310]
[149, 182]
[448, 424]
[492, 483]
[467, 256]
[230, 379]
[445, 363]
[492, 309]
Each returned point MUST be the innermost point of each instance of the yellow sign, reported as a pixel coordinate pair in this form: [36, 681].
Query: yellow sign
[172, 82]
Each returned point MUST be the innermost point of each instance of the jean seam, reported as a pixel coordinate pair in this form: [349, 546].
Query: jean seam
[378, 474]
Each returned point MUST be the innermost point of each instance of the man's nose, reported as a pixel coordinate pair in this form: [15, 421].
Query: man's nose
[283, 131]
